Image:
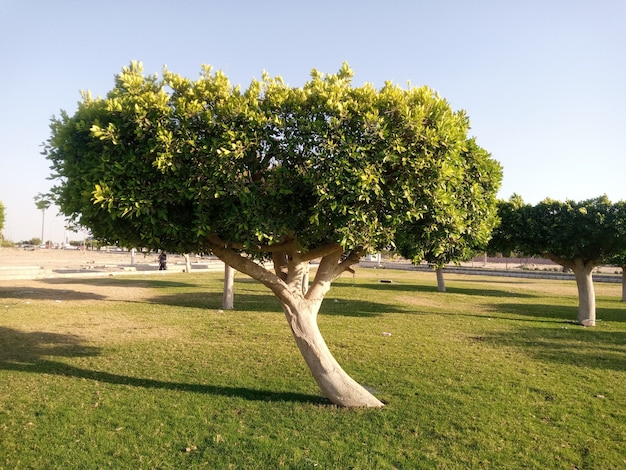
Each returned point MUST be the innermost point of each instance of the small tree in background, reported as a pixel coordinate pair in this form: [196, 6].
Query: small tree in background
[43, 202]
[577, 235]
[2, 218]
[327, 171]
[619, 259]
[459, 222]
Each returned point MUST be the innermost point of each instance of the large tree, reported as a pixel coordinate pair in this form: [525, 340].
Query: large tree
[577, 235]
[327, 171]
[461, 218]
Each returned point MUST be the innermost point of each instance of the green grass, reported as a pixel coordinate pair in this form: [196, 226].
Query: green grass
[147, 372]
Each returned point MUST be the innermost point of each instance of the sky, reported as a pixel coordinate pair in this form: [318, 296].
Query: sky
[542, 81]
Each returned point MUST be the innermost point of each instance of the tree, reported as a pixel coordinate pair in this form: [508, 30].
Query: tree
[577, 235]
[2, 216]
[327, 172]
[228, 297]
[619, 258]
[43, 202]
[460, 220]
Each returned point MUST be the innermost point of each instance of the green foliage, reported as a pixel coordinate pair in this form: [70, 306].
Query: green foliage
[2, 216]
[591, 230]
[164, 163]
[460, 216]
[43, 201]
[145, 372]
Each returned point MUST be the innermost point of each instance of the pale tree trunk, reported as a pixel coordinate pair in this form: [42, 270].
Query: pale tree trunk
[187, 263]
[228, 299]
[333, 381]
[586, 295]
[441, 283]
[305, 279]
[584, 282]
[287, 284]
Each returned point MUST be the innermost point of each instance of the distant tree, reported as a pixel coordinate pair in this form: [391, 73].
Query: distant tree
[619, 259]
[43, 202]
[461, 217]
[2, 218]
[577, 235]
[327, 171]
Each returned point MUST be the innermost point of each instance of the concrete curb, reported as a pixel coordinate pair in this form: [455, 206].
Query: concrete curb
[616, 278]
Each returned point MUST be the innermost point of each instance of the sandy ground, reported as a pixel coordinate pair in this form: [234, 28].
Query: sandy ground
[69, 259]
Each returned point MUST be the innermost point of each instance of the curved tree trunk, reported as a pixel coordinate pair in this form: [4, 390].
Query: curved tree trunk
[586, 293]
[441, 282]
[286, 282]
[228, 299]
[334, 383]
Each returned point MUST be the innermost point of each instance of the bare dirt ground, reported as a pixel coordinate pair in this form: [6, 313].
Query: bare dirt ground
[23, 272]
[17, 264]
[51, 259]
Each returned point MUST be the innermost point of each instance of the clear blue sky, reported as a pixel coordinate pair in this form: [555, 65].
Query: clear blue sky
[543, 81]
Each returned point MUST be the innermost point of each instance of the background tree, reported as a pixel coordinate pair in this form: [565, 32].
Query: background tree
[324, 172]
[463, 213]
[2, 219]
[577, 235]
[43, 202]
[619, 259]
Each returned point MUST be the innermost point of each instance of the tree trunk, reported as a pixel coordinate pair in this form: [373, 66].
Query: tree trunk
[623, 283]
[305, 279]
[291, 266]
[441, 283]
[228, 299]
[187, 263]
[334, 383]
[586, 293]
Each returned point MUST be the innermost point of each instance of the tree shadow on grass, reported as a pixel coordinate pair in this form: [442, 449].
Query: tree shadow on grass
[565, 313]
[38, 293]
[420, 288]
[29, 351]
[116, 281]
[259, 302]
[569, 345]
[61, 289]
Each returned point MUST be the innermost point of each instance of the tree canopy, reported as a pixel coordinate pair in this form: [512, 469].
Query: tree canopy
[325, 171]
[462, 217]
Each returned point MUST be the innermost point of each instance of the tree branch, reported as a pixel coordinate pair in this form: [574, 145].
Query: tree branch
[249, 267]
[353, 258]
[326, 272]
[320, 251]
[570, 263]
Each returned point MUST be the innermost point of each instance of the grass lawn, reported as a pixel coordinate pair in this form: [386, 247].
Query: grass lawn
[147, 372]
